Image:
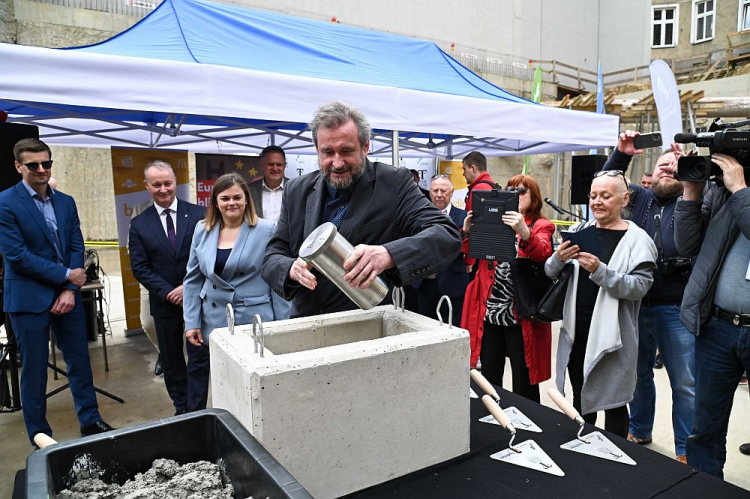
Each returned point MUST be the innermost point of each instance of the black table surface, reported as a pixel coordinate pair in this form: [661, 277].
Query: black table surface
[475, 475]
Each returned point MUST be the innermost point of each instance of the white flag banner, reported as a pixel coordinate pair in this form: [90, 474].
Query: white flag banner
[667, 99]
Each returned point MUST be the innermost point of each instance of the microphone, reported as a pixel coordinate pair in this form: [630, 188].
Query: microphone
[685, 138]
[554, 206]
[89, 261]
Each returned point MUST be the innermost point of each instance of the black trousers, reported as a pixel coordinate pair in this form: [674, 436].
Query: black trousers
[616, 420]
[198, 370]
[428, 296]
[499, 342]
[170, 333]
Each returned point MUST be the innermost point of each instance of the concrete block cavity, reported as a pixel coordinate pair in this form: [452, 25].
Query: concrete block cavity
[348, 400]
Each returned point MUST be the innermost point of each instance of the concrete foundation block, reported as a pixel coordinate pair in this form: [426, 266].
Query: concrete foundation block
[348, 400]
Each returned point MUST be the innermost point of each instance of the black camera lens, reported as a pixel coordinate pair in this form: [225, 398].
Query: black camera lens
[696, 168]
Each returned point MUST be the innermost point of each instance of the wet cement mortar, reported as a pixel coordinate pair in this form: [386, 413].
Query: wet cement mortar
[165, 479]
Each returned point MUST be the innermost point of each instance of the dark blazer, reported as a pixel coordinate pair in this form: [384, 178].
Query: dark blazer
[34, 274]
[386, 209]
[256, 193]
[452, 281]
[155, 264]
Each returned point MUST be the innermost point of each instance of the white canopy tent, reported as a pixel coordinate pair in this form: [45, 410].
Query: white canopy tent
[172, 81]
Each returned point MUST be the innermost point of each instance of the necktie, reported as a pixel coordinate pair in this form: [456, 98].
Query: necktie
[170, 228]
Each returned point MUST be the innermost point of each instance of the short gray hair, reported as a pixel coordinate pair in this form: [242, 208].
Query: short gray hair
[158, 163]
[336, 114]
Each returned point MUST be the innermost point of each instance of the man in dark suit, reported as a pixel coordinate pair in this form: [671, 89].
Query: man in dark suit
[267, 193]
[42, 244]
[453, 280]
[267, 190]
[159, 244]
[376, 207]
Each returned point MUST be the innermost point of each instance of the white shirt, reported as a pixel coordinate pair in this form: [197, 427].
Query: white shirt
[163, 217]
[447, 210]
[272, 201]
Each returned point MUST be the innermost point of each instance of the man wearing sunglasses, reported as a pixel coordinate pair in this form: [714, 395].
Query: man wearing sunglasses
[659, 323]
[41, 241]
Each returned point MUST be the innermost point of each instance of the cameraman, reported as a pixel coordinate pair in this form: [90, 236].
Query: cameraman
[659, 318]
[716, 304]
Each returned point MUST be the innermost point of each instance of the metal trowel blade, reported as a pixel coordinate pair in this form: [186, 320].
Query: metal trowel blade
[519, 420]
[599, 446]
[531, 456]
[472, 394]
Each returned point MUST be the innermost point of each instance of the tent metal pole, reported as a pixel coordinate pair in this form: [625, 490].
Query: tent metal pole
[394, 150]
[557, 179]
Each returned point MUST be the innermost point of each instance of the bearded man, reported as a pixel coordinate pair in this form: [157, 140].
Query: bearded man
[379, 209]
[659, 318]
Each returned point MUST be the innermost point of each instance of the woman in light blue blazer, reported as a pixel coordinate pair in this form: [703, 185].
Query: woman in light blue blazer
[224, 267]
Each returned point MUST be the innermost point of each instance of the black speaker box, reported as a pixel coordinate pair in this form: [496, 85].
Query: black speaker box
[584, 168]
[10, 133]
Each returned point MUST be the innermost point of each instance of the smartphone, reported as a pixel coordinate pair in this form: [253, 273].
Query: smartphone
[646, 140]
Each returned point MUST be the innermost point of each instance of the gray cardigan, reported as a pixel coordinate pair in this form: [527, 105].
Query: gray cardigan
[728, 214]
[609, 368]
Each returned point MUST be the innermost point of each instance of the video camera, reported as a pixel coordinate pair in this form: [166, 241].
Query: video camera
[720, 138]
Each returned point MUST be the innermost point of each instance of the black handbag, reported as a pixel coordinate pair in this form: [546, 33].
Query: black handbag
[552, 303]
[530, 283]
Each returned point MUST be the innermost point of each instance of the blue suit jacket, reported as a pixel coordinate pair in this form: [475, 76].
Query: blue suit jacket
[34, 275]
[206, 294]
[454, 279]
[153, 260]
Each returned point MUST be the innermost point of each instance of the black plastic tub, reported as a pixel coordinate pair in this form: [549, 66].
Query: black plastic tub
[208, 435]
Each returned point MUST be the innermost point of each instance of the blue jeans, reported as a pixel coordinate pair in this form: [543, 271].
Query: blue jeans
[722, 354]
[660, 326]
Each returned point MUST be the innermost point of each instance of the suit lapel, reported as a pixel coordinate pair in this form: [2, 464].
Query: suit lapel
[234, 257]
[31, 207]
[183, 217]
[454, 215]
[154, 223]
[314, 207]
[360, 197]
[62, 225]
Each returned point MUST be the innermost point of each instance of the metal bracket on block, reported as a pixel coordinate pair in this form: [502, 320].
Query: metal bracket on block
[450, 311]
[230, 318]
[258, 338]
[399, 298]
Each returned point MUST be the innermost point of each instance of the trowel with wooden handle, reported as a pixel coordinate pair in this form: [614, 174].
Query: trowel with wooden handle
[595, 443]
[527, 454]
[518, 418]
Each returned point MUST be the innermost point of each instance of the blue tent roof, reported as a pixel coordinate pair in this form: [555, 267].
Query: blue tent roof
[228, 35]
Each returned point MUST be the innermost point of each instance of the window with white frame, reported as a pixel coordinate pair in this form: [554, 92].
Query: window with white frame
[664, 25]
[703, 21]
[744, 16]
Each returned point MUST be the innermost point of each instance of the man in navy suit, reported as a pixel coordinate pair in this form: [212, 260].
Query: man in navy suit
[159, 245]
[453, 280]
[41, 241]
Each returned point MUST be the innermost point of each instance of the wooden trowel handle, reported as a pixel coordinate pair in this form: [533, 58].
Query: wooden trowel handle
[485, 385]
[563, 404]
[497, 412]
[43, 440]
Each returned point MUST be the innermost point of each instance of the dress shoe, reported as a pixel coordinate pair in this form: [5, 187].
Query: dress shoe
[639, 441]
[745, 449]
[659, 363]
[682, 458]
[180, 412]
[158, 371]
[96, 428]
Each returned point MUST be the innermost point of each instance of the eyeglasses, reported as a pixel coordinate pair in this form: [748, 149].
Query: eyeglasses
[520, 190]
[441, 175]
[33, 166]
[613, 173]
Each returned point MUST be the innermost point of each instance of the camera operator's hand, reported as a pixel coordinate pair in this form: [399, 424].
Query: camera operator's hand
[625, 143]
[515, 220]
[467, 222]
[734, 174]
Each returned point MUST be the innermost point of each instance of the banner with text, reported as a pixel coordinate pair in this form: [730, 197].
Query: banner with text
[127, 170]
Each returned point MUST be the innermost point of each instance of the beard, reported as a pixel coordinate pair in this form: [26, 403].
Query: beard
[355, 172]
[666, 188]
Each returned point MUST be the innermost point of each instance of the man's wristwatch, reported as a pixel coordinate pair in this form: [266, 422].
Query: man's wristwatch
[72, 291]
